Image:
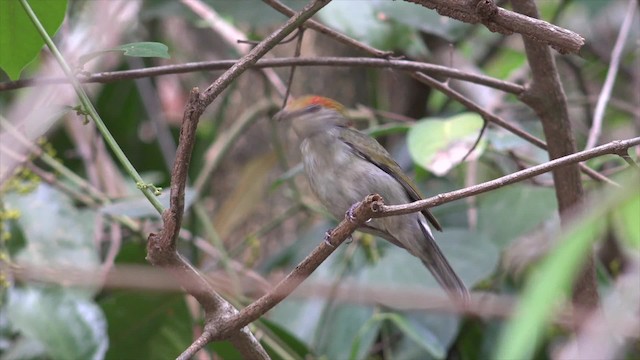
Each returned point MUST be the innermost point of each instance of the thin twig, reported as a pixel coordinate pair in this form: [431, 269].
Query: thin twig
[363, 212]
[607, 88]
[161, 247]
[433, 69]
[373, 206]
[230, 35]
[292, 70]
[611, 148]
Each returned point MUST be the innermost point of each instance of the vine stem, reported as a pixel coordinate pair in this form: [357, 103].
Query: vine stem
[91, 111]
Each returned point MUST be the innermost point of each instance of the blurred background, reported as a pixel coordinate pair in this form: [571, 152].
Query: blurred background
[74, 225]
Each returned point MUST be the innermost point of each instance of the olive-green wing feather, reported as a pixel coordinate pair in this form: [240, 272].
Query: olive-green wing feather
[357, 141]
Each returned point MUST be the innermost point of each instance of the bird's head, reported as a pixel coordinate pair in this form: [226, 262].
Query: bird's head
[312, 114]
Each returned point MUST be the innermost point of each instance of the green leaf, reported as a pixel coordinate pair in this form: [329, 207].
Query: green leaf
[145, 49]
[545, 289]
[553, 279]
[67, 325]
[146, 325]
[425, 20]
[20, 42]
[283, 335]
[329, 328]
[525, 207]
[625, 219]
[56, 233]
[139, 49]
[471, 255]
[428, 343]
[440, 144]
[364, 21]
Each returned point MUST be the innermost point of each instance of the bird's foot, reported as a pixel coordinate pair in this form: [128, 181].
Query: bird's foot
[327, 238]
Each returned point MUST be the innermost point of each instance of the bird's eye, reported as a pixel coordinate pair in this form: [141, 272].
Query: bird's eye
[312, 108]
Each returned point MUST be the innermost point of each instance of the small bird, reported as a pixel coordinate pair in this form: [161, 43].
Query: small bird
[343, 166]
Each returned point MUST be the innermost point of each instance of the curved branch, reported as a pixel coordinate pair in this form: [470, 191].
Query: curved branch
[107, 77]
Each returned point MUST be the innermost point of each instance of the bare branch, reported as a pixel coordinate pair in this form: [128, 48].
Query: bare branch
[252, 57]
[230, 35]
[363, 212]
[611, 148]
[506, 22]
[432, 69]
[161, 247]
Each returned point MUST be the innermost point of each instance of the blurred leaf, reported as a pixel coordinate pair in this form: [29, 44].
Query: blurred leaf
[438, 145]
[478, 339]
[329, 328]
[145, 49]
[524, 206]
[337, 328]
[146, 325]
[388, 129]
[626, 218]
[23, 348]
[544, 289]
[20, 42]
[422, 323]
[505, 63]
[472, 255]
[252, 185]
[69, 326]
[138, 49]
[286, 176]
[251, 14]
[423, 19]
[57, 233]
[288, 338]
[553, 279]
[420, 335]
[364, 21]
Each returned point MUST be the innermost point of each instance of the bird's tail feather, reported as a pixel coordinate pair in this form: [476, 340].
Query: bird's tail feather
[433, 258]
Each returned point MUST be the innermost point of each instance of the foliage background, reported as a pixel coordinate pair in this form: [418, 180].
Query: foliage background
[256, 214]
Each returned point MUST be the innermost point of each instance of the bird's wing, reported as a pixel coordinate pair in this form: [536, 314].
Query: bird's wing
[355, 139]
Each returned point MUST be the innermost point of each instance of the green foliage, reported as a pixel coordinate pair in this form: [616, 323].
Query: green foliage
[52, 229]
[146, 325]
[553, 278]
[20, 43]
[525, 207]
[439, 144]
[138, 49]
[66, 324]
[335, 328]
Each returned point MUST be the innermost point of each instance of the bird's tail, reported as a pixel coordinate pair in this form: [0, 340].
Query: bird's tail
[433, 258]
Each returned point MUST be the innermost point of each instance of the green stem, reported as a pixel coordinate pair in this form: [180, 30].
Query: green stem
[88, 107]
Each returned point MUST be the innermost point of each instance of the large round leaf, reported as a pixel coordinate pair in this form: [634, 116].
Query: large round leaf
[440, 144]
[66, 324]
